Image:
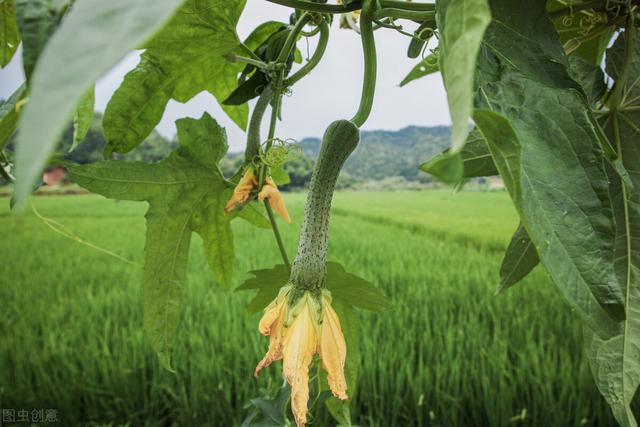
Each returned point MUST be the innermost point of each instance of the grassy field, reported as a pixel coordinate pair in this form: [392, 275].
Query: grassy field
[448, 354]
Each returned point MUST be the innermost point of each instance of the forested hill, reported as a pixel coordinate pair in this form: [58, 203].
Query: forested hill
[383, 154]
[388, 158]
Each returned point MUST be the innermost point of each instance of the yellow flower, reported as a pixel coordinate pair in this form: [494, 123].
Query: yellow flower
[350, 19]
[270, 192]
[298, 332]
[242, 191]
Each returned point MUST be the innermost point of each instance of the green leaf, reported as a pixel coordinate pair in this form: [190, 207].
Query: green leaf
[184, 59]
[538, 126]
[186, 193]
[345, 286]
[94, 35]
[590, 77]
[473, 161]
[427, 66]
[9, 115]
[461, 24]
[83, 118]
[9, 36]
[262, 33]
[520, 258]
[269, 412]
[615, 362]
[37, 20]
[280, 176]
[252, 213]
[570, 236]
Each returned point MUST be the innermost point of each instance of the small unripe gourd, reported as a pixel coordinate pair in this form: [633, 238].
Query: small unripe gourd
[308, 269]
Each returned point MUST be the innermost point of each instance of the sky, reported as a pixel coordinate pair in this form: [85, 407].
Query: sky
[330, 92]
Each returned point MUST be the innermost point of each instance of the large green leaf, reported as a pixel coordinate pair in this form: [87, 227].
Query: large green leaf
[543, 141]
[615, 361]
[519, 259]
[343, 285]
[9, 36]
[571, 237]
[184, 59]
[461, 24]
[186, 193]
[94, 36]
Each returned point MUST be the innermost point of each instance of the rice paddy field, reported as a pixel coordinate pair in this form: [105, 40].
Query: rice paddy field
[449, 353]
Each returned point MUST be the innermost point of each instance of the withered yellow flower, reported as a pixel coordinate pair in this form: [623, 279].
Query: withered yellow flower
[242, 191]
[269, 191]
[310, 326]
[272, 194]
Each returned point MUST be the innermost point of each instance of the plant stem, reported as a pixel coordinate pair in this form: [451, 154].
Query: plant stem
[276, 233]
[292, 38]
[320, 7]
[253, 132]
[231, 57]
[413, 15]
[275, 96]
[370, 64]
[315, 58]
[401, 4]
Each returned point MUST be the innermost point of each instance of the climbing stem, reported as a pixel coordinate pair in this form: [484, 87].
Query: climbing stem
[320, 7]
[290, 42]
[276, 233]
[413, 15]
[275, 97]
[405, 5]
[315, 58]
[253, 132]
[370, 64]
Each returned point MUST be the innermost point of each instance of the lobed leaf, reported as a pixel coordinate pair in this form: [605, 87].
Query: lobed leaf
[94, 36]
[183, 60]
[186, 193]
[345, 286]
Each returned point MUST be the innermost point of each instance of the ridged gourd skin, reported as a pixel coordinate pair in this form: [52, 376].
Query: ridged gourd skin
[309, 267]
